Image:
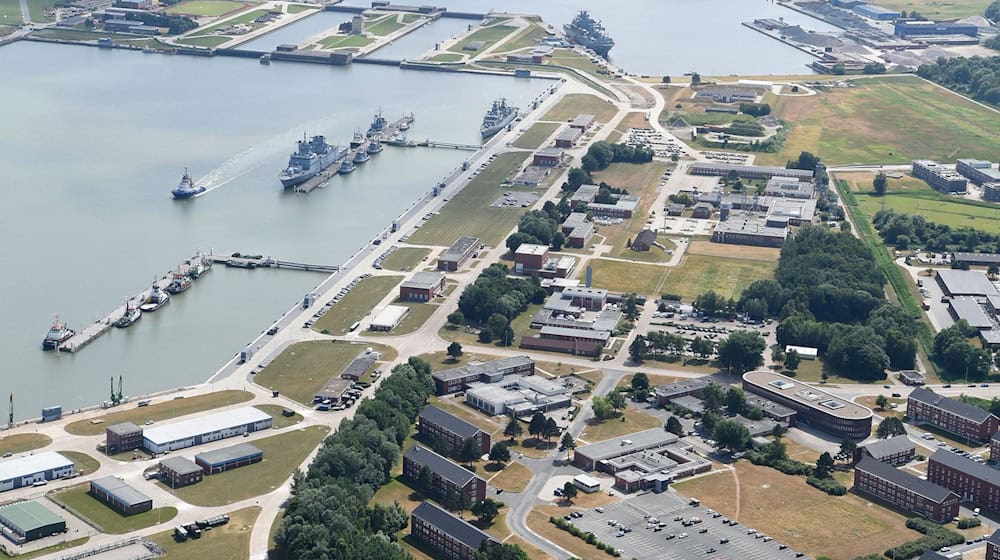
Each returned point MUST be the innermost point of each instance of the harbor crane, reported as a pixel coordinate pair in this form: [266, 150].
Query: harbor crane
[116, 397]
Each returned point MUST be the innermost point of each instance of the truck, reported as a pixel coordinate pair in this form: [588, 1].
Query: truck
[395, 226]
[180, 533]
[246, 354]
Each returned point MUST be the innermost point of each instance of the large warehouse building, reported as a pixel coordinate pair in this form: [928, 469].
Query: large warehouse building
[25, 471]
[239, 455]
[28, 521]
[814, 407]
[120, 496]
[204, 429]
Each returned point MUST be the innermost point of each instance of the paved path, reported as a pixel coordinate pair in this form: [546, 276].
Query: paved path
[25, 12]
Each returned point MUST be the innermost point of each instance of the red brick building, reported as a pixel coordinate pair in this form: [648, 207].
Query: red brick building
[993, 546]
[897, 450]
[972, 481]
[547, 157]
[568, 137]
[995, 448]
[447, 476]
[905, 491]
[530, 257]
[954, 416]
[422, 286]
[451, 537]
[434, 424]
[463, 249]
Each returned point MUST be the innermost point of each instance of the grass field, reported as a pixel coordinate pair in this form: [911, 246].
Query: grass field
[171, 408]
[535, 136]
[78, 35]
[405, 259]
[205, 8]
[345, 41]
[356, 305]
[914, 196]
[10, 12]
[572, 59]
[744, 252]
[655, 379]
[778, 504]
[36, 8]
[885, 120]
[19, 443]
[384, 26]
[624, 277]
[85, 464]
[526, 38]
[640, 180]
[48, 550]
[279, 420]
[469, 212]
[304, 368]
[939, 9]
[488, 35]
[213, 41]
[697, 275]
[446, 57]
[283, 453]
[513, 478]
[299, 8]
[244, 18]
[229, 542]
[631, 421]
[418, 315]
[83, 504]
[580, 103]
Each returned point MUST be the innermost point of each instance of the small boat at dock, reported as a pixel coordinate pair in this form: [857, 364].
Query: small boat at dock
[58, 333]
[180, 283]
[346, 167]
[156, 299]
[129, 318]
[360, 157]
[374, 147]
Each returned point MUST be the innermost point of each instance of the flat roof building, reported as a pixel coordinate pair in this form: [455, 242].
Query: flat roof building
[965, 283]
[518, 396]
[455, 379]
[911, 28]
[388, 318]
[976, 259]
[122, 437]
[967, 308]
[463, 249]
[422, 286]
[622, 207]
[28, 521]
[583, 122]
[818, 408]
[905, 491]
[450, 431]
[789, 187]
[228, 458]
[450, 536]
[205, 429]
[747, 171]
[665, 393]
[937, 175]
[178, 471]
[547, 157]
[120, 496]
[804, 352]
[924, 406]
[25, 471]
[568, 137]
[977, 171]
[590, 457]
[911, 377]
[876, 12]
[748, 229]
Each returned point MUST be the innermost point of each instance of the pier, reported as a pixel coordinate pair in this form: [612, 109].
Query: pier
[252, 263]
[92, 331]
[321, 178]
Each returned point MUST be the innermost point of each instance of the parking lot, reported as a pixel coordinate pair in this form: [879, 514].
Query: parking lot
[669, 539]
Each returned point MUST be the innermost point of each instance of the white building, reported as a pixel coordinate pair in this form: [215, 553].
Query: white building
[804, 352]
[388, 318]
[205, 429]
[25, 471]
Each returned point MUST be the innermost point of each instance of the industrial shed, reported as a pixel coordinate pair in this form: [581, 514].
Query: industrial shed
[120, 496]
[25, 471]
[205, 429]
[28, 521]
[220, 460]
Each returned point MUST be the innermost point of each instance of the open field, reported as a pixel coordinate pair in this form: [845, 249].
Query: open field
[283, 453]
[405, 259]
[469, 212]
[655, 379]
[640, 180]
[345, 41]
[245, 18]
[172, 408]
[580, 103]
[205, 8]
[488, 35]
[631, 421]
[914, 196]
[93, 510]
[513, 478]
[869, 401]
[811, 371]
[298, 8]
[535, 136]
[19, 443]
[211, 41]
[10, 12]
[356, 305]
[525, 39]
[384, 26]
[279, 420]
[79, 35]
[229, 542]
[745, 252]
[885, 120]
[302, 369]
[618, 276]
[572, 59]
[777, 504]
[697, 275]
[939, 9]
[441, 361]
[446, 57]
[36, 8]
[85, 464]
[418, 315]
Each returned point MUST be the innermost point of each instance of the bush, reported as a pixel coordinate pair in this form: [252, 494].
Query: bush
[828, 485]
[969, 522]
[935, 537]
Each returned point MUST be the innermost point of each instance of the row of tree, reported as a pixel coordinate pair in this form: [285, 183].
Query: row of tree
[906, 231]
[976, 76]
[602, 154]
[539, 228]
[495, 292]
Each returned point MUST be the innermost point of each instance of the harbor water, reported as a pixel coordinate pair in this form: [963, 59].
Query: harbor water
[91, 148]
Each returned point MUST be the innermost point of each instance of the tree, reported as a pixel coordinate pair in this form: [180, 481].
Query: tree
[470, 451]
[425, 481]
[695, 78]
[742, 351]
[889, 427]
[702, 347]
[576, 177]
[640, 395]
[513, 428]
[485, 335]
[630, 307]
[731, 435]
[712, 397]
[881, 402]
[755, 308]
[602, 408]
[536, 427]
[456, 318]
[993, 11]
[500, 453]
[674, 426]
[640, 381]
[497, 323]
[806, 161]
[570, 491]
[792, 360]
[494, 550]
[665, 80]
[993, 270]
[567, 443]
[454, 350]
[735, 400]
[389, 519]
[823, 465]
[457, 501]
[848, 448]
[638, 349]
[487, 510]
[617, 400]
[551, 429]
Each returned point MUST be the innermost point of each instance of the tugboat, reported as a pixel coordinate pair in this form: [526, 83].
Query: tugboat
[374, 147]
[360, 157]
[500, 115]
[588, 32]
[58, 333]
[180, 283]
[201, 267]
[346, 167]
[358, 140]
[156, 299]
[186, 188]
[378, 125]
[400, 140]
[131, 315]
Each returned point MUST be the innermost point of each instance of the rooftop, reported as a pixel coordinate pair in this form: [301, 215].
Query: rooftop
[576, 333]
[117, 488]
[28, 516]
[750, 224]
[32, 464]
[908, 481]
[883, 448]
[773, 171]
[441, 466]
[582, 120]
[979, 471]
[482, 368]
[550, 152]
[390, 316]
[180, 465]
[227, 454]
[569, 133]
[966, 282]
[806, 395]
[124, 428]
[424, 281]
[976, 257]
[198, 425]
[627, 444]
[680, 387]
[531, 249]
[460, 247]
[448, 421]
[451, 525]
[956, 407]
[969, 309]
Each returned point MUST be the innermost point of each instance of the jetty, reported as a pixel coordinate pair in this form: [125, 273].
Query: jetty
[94, 330]
[321, 179]
[268, 262]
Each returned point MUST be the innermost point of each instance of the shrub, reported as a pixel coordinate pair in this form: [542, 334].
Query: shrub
[828, 485]
[969, 522]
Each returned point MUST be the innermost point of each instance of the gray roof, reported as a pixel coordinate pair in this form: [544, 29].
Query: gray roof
[724, 168]
[569, 133]
[550, 152]
[681, 387]
[587, 334]
[994, 538]
[449, 421]
[483, 368]
[226, 454]
[359, 365]
[971, 468]
[694, 404]
[956, 407]
[906, 480]
[767, 406]
[123, 492]
[616, 447]
[887, 447]
[441, 466]
[575, 219]
[180, 465]
[424, 280]
[461, 246]
[976, 257]
[966, 282]
[969, 309]
[933, 555]
[451, 525]
[124, 428]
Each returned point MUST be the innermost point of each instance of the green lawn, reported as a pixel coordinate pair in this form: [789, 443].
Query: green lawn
[304, 368]
[618, 276]
[343, 42]
[228, 542]
[384, 26]
[581, 104]
[36, 8]
[19, 443]
[77, 500]
[939, 9]
[488, 35]
[405, 259]
[572, 59]
[886, 120]
[410, 18]
[245, 18]
[210, 42]
[76, 35]
[914, 196]
[48, 550]
[526, 38]
[10, 12]
[85, 464]
[417, 316]
[469, 212]
[446, 57]
[205, 8]
[697, 275]
[283, 453]
[298, 8]
[279, 419]
[357, 304]
[535, 136]
[168, 408]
